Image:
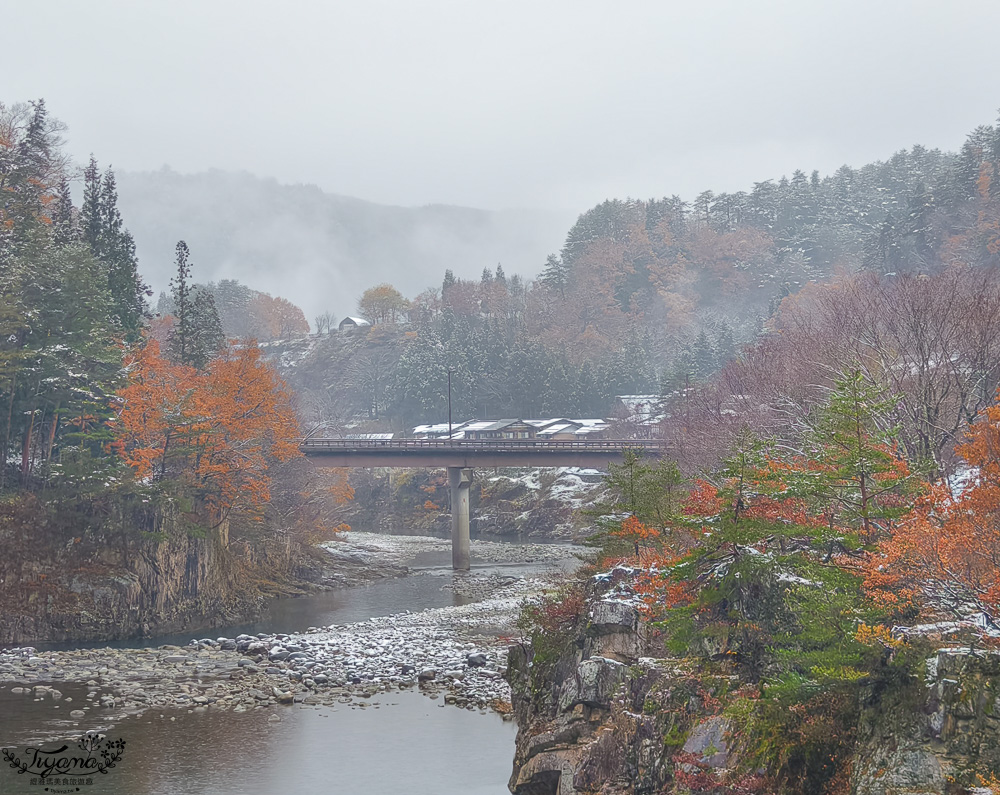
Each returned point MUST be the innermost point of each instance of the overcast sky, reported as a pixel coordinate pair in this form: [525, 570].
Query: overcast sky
[546, 104]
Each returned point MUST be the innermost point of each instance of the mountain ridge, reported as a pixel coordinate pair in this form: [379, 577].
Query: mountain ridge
[318, 249]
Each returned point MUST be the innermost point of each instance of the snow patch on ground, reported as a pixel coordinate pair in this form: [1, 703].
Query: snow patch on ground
[400, 550]
[571, 489]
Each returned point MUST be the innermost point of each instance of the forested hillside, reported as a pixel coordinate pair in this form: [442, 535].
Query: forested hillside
[660, 296]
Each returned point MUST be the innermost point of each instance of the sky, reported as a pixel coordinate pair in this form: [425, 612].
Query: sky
[546, 104]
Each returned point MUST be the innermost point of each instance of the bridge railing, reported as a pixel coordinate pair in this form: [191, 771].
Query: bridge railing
[590, 445]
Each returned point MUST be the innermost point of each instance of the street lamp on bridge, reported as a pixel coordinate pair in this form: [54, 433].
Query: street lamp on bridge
[450, 371]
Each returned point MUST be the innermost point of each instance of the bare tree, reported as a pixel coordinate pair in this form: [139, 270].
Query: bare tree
[368, 374]
[932, 343]
[325, 322]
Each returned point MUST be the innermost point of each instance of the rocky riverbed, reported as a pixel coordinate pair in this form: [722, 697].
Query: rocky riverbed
[456, 654]
[396, 550]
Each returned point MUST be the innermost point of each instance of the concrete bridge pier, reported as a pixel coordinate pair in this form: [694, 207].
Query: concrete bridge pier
[459, 479]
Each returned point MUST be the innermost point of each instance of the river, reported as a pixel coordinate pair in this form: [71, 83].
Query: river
[401, 743]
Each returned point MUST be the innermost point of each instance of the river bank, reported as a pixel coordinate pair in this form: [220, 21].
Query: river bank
[457, 652]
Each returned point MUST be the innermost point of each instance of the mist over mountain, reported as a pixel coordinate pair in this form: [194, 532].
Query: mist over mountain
[317, 249]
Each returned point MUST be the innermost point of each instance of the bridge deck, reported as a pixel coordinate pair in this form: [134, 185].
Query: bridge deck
[595, 453]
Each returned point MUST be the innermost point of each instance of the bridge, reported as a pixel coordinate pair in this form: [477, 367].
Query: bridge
[459, 457]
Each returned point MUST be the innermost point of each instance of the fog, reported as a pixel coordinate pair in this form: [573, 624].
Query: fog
[553, 106]
[320, 250]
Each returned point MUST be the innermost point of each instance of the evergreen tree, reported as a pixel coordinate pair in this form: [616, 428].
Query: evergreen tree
[180, 342]
[58, 359]
[853, 445]
[234, 302]
[703, 207]
[27, 173]
[196, 336]
[449, 282]
[881, 253]
[704, 355]
[555, 274]
[651, 492]
[164, 304]
[64, 228]
[207, 337]
[91, 221]
[118, 247]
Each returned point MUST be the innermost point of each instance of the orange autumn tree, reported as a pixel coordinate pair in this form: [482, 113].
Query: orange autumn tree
[151, 403]
[215, 431]
[946, 557]
[277, 318]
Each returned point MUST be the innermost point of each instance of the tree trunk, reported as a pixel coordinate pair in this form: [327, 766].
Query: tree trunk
[50, 442]
[26, 450]
[6, 435]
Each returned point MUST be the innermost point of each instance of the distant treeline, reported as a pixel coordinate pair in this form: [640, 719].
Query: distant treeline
[658, 296]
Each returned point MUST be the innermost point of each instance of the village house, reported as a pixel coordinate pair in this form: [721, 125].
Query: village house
[557, 429]
[350, 323]
[502, 429]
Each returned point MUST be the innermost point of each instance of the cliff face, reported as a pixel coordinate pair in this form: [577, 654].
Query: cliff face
[938, 732]
[613, 716]
[138, 585]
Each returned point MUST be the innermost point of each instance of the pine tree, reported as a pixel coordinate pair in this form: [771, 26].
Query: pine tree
[196, 336]
[179, 344]
[703, 207]
[704, 355]
[64, 229]
[27, 171]
[207, 337]
[118, 247]
[858, 466]
[91, 221]
[449, 281]
[555, 274]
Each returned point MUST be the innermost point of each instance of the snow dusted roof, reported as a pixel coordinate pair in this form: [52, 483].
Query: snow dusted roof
[439, 428]
[634, 402]
[644, 409]
[557, 428]
[544, 423]
[546, 427]
[484, 425]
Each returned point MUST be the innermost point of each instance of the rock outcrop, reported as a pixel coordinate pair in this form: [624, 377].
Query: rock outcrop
[611, 717]
[149, 583]
[934, 735]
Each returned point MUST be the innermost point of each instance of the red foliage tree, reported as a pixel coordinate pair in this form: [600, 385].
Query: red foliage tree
[216, 431]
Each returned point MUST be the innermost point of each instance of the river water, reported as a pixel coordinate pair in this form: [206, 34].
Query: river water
[403, 743]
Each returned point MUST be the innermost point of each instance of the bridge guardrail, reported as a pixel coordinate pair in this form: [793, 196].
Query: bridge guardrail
[593, 445]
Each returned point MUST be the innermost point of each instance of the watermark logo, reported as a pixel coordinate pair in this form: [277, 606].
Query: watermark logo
[66, 768]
